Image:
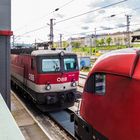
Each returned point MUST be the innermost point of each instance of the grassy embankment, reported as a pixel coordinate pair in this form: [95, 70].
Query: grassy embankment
[91, 50]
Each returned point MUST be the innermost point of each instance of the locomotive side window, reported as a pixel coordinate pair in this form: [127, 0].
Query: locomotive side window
[32, 63]
[99, 84]
[96, 84]
[50, 65]
[89, 85]
[69, 64]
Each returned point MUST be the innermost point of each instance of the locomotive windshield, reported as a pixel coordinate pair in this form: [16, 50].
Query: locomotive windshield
[50, 65]
[56, 63]
[69, 64]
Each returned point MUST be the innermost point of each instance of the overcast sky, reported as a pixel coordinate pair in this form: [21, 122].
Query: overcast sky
[29, 15]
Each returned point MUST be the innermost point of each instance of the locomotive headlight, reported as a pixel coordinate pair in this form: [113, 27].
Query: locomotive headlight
[62, 53]
[48, 87]
[73, 84]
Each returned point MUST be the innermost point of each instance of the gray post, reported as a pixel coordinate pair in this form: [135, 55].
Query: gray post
[60, 40]
[51, 32]
[5, 33]
[128, 30]
[91, 45]
[95, 41]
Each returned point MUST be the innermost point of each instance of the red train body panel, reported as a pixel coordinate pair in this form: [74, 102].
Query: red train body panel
[49, 77]
[110, 107]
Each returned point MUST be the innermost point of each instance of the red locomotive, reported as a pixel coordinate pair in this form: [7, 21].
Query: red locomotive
[48, 77]
[110, 107]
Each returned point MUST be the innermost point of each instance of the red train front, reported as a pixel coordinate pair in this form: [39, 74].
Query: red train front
[110, 107]
[49, 77]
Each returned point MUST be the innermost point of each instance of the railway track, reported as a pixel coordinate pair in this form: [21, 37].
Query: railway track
[44, 121]
[62, 119]
[55, 124]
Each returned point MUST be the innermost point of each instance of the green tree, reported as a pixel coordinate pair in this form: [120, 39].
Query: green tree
[108, 40]
[55, 45]
[65, 44]
[76, 44]
[102, 42]
[97, 42]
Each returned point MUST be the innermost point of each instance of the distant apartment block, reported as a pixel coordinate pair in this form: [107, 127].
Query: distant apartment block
[118, 38]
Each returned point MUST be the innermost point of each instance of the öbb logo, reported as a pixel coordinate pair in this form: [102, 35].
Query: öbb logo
[63, 79]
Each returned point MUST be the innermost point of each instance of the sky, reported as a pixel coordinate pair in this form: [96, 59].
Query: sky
[31, 18]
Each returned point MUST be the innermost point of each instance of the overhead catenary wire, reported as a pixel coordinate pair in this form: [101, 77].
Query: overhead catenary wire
[46, 15]
[34, 30]
[83, 32]
[104, 7]
[98, 30]
[113, 15]
[120, 13]
[123, 26]
[64, 5]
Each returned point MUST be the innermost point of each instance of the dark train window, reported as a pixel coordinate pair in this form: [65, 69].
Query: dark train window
[96, 84]
[99, 84]
[89, 85]
[32, 63]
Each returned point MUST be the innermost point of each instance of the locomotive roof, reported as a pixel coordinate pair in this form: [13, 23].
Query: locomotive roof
[36, 52]
[44, 52]
[121, 62]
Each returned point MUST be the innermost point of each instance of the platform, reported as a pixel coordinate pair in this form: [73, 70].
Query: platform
[8, 127]
[26, 123]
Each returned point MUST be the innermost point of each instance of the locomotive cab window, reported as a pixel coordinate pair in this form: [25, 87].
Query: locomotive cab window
[70, 64]
[96, 84]
[99, 84]
[50, 65]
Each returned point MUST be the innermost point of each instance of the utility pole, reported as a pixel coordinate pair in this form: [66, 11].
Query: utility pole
[128, 30]
[51, 32]
[95, 40]
[35, 41]
[35, 44]
[91, 44]
[60, 40]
